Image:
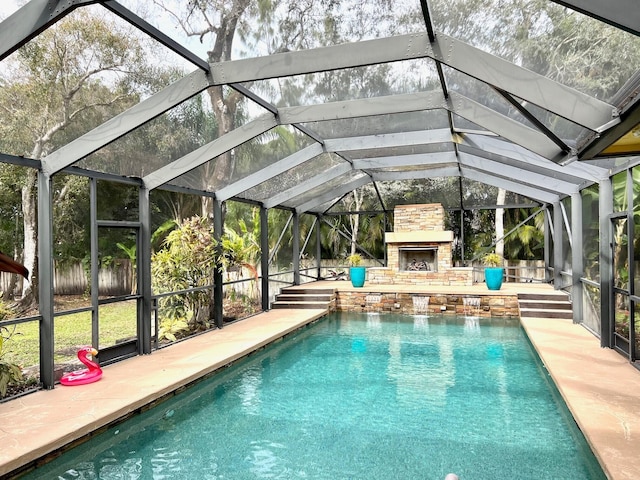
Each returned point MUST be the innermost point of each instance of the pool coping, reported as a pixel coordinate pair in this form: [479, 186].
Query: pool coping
[601, 388]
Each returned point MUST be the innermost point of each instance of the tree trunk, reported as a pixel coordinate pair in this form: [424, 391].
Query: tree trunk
[502, 194]
[355, 220]
[30, 221]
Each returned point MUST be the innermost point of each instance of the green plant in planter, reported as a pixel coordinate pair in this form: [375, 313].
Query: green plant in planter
[357, 272]
[354, 260]
[494, 271]
[492, 260]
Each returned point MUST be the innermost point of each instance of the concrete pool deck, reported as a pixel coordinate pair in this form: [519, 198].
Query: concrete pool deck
[600, 387]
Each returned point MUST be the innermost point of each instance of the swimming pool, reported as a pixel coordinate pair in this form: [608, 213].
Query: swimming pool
[356, 396]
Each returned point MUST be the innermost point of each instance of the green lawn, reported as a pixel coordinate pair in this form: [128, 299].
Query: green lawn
[117, 321]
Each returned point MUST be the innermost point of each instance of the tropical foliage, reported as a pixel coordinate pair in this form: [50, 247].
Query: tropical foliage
[186, 261]
[10, 373]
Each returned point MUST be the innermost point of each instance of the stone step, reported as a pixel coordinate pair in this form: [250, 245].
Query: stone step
[303, 297]
[545, 313]
[300, 296]
[554, 296]
[545, 304]
[554, 304]
[301, 290]
[300, 305]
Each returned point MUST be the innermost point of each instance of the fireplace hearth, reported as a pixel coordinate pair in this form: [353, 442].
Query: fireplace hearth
[418, 259]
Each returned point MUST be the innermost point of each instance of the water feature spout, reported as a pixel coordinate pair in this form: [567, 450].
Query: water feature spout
[420, 304]
[471, 306]
[373, 298]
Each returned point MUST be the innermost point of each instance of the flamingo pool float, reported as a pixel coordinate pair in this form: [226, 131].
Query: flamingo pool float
[91, 374]
[8, 264]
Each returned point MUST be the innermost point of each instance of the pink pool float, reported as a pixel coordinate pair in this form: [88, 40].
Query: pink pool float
[91, 374]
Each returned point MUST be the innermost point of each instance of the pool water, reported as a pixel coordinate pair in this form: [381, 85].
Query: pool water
[356, 396]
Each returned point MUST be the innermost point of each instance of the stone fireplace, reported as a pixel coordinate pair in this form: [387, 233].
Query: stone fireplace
[419, 250]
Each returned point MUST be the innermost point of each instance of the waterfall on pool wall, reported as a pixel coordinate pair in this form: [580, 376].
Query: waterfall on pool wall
[373, 316]
[420, 304]
[373, 298]
[471, 306]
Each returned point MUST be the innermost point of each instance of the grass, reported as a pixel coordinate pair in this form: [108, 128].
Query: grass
[73, 331]
[117, 321]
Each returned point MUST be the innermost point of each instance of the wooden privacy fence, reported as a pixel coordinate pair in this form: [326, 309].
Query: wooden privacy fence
[73, 280]
[112, 280]
[116, 279]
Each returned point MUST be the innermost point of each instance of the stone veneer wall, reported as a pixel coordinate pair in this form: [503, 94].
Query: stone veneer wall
[450, 277]
[419, 218]
[450, 303]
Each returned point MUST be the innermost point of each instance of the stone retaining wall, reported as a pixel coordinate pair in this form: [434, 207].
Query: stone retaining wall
[487, 305]
[388, 276]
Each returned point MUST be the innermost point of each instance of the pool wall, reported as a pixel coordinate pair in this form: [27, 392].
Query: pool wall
[413, 303]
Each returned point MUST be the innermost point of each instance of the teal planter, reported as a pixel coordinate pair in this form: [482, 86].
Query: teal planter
[357, 276]
[493, 277]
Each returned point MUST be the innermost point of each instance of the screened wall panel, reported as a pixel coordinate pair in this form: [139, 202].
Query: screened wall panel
[77, 75]
[552, 49]
[381, 124]
[591, 229]
[325, 188]
[400, 151]
[482, 93]
[427, 190]
[158, 142]
[245, 159]
[347, 83]
[292, 177]
[476, 194]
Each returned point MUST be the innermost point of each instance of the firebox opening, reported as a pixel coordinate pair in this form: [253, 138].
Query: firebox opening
[419, 259]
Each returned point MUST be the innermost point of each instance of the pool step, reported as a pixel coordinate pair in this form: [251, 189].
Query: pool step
[545, 305]
[301, 297]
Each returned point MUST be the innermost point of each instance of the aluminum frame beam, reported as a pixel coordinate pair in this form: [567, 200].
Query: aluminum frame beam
[531, 118]
[125, 122]
[31, 20]
[495, 146]
[564, 101]
[605, 261]
[623, 14]
[526, 177]
[558, 246]
[416, 174]
[459, 104]
[334, 193]
[531, 167]
[411, 160]
[509, 185]
[311, 183]
[45, 279]
[387, 140]
[269, 172]
[210, 151]
[598, 143]
[363, 107]
[504, 126]
[577, 261]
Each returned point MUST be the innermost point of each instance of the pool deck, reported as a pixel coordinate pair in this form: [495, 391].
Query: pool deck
[600, 387]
